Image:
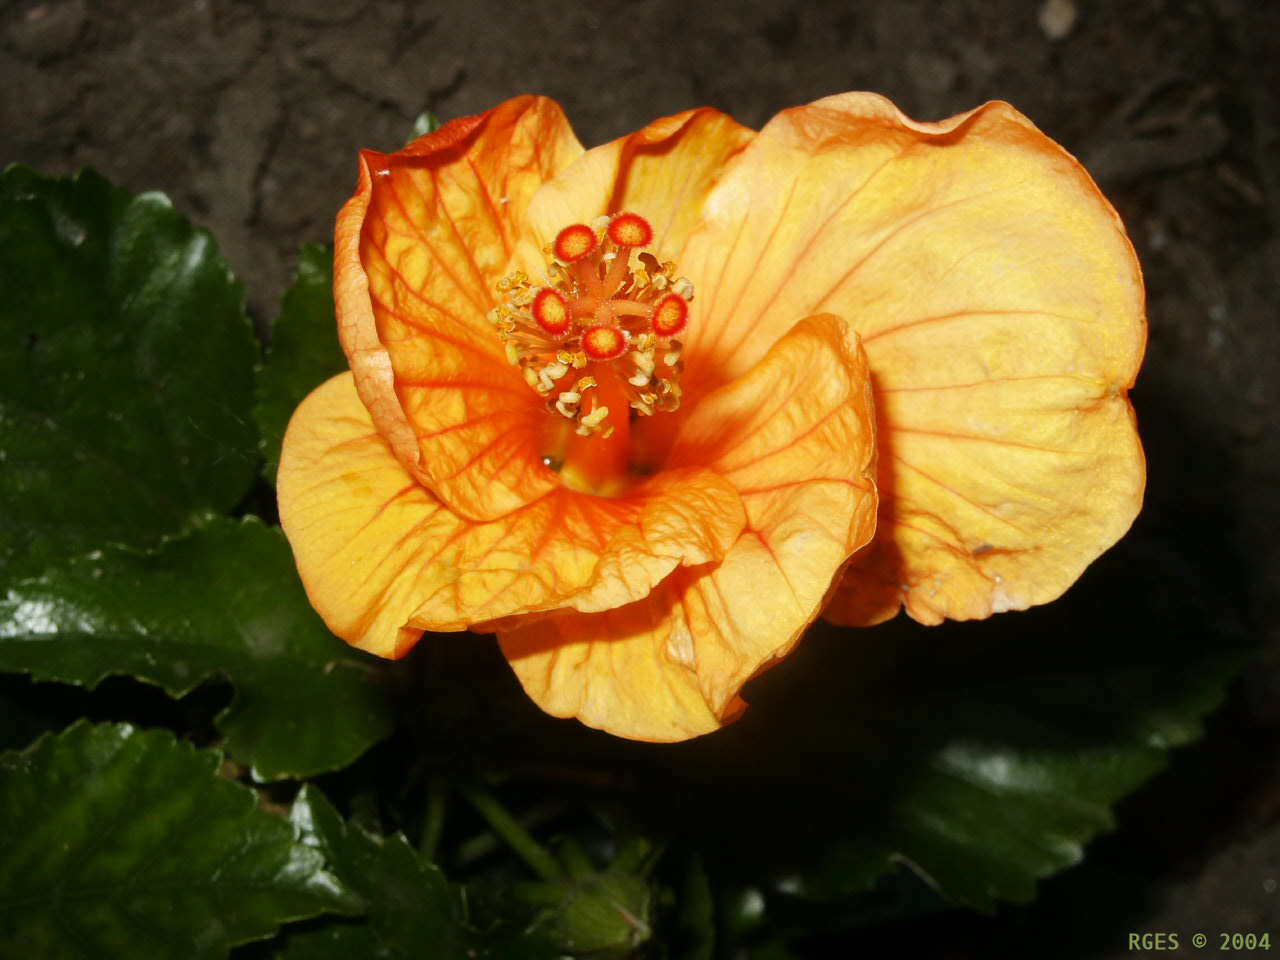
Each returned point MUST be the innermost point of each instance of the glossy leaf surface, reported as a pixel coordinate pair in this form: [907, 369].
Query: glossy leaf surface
[126, 371]
[304, 350]
[984, 757]
[410, 906]
[121, 842]
[222, 600]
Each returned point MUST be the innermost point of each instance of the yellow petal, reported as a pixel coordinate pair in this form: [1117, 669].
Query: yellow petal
[382, 559]
[795, 437]
[662, 172]
[420, 249]
[1001, 308]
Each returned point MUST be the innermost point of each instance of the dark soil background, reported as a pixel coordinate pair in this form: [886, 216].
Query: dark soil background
[249, 116]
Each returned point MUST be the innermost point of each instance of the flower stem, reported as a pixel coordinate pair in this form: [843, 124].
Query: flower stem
[433, 819]
[515, 836]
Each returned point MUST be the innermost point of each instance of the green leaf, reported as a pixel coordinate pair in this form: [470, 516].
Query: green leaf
[304, 350]
[1008, 779]
[984, 757]
[411, 909]
[426, 122]
[18, 725]
[222, 599]
[696, 922]
[410, 904]
[606, 912]
[121, 842]
[126, 371]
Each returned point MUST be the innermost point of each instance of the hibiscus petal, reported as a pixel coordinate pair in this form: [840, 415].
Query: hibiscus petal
[1001, 308]
[420, 249]
[662, 172]
[795, 437]
[382, 559]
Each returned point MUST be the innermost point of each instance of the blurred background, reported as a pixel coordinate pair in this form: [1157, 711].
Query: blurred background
[249, 115]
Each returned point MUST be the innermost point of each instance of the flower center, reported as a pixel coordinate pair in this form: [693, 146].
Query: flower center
[597, 336]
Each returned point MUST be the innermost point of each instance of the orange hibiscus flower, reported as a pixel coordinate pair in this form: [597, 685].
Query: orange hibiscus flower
[615, 405]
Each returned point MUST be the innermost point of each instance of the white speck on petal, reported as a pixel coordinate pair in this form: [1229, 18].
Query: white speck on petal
[680, 644]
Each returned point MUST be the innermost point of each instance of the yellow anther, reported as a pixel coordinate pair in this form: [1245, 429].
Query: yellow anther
[598, 308]
[550, 374]
[587, 425]
[670, 398]
[567, 404]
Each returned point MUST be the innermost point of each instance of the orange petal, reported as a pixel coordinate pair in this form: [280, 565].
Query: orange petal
[795, 437]
[382, 559]
[662, 172]
[1001, 308]
[420, 249]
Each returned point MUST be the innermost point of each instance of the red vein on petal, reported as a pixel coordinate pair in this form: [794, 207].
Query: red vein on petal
[549, 529]
[494, 213]
[679, 255]
[376, 601]
[353, 441]
[677, 202]
[428, 331]
[949, 545]
[782, 571]
[386, 504]
[420, 234]
[725, 615]
[978, 438]
[836, 211]
[884, 241]
[463, 244]
[535, 141]
[958, 315]
[958, 495]
[789, 484]
[792, 441]
[484, 450]
[517, 448]
[413, 291]
[984, 383]
[722, 326]
[455, 427]
[477, 385]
